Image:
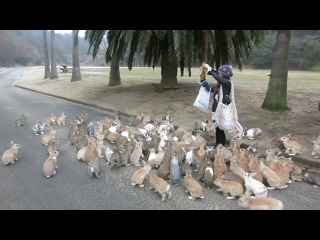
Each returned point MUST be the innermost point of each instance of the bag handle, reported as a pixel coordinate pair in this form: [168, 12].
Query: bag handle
[231, 96]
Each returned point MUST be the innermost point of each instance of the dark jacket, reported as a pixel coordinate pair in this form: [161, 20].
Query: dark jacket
[226, 87]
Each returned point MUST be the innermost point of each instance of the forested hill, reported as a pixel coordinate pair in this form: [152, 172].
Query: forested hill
[25, 47]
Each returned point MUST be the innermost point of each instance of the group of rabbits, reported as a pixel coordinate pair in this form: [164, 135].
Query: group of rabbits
[171, 155]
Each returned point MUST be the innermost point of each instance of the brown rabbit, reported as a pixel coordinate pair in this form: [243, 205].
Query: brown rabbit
[46, 138]
[50, 165]
[11, 154]
[21, 121]
[233, 188]
[231, 176]
[260, 203]
[53, 145]
[273, 179]
[219, 165]
[293, 147]
[50, 120]
[152, 157]
[235, 168]
[185, 168]
[139, 175]
[136, 154]
[159, 185]
[253, 166]
[193, 187]
[61, 120]
[316, 148]
[86, 153]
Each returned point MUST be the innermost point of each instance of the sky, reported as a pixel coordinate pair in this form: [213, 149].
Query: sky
[81, 33]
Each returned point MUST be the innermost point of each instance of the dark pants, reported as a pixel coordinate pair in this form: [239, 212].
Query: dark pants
[220, 137]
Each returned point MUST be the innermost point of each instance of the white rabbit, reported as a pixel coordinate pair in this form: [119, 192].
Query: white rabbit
[139, 175]
[254, 186]
[253, 133]
[260, 203]
[316, 148]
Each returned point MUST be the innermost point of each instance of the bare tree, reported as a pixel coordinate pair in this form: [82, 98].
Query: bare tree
[76, 74]
[46, 55]
[54, 72]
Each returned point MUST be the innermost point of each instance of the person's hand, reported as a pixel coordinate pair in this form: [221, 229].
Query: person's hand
[207, 67]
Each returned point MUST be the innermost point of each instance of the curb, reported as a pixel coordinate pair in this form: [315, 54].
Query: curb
[296, 158]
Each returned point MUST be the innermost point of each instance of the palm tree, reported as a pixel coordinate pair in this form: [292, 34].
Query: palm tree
[54, 72]
[276, 96]
[46, 56]
[178, 46]
[76, 74]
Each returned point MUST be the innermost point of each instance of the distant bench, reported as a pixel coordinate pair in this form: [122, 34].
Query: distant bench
[65, 69]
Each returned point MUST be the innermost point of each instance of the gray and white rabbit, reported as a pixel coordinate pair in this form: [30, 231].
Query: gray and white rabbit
[312, 176]
[39, 128]
[253, 133]
[175, 173]
[21, 121]
[94, 166]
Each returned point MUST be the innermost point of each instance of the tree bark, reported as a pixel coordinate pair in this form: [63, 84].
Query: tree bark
[168, 69]
[276, 96]
[54, 72]
[114, 77]
[46, 56]
[76, 74]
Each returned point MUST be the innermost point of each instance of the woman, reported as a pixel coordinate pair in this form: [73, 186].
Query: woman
[222, 76]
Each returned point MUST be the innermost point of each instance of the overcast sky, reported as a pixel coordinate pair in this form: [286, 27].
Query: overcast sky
[81, 33]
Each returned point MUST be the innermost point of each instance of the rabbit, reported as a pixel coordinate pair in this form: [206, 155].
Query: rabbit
[253, 133]
[115, 158]
[316, 149]
[159, 185]
[151, 158]
[81, 141]
[253, 166]
[232, 188]
[208, 176]
[21, 121]
[50, 120]
[312, 176]
[139, 175]
[50, 165]
[185, 168]
[254, 186]
[108, 152]
[46, 138]
[61, 120]
[10, 156]
[84, 118]
[201, 125]
[275, 166]
[38, 128]
[86, 153]
[164, 168]
[53, 145]
[136, 154]
[231, 176]
[125, 154]
[293, 147]
[93, 167]
[235, 168]
[260, 203]
[99, 144]
[175, 173]
[219, 165]
[193, 187]
[202, 168]
[273, 179]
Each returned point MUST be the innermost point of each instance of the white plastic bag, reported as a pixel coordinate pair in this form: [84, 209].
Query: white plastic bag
[203, 100]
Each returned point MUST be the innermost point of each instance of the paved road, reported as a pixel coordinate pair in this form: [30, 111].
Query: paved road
[24, 187]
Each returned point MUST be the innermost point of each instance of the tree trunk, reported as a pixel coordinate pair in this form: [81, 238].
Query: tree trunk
[54, 73]
[114, 77]
[276, 96]
[46, 56]
[76, 74]
[168, 70]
